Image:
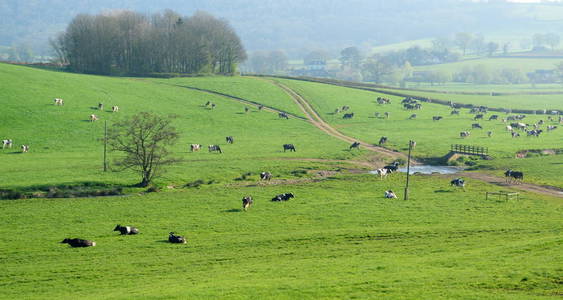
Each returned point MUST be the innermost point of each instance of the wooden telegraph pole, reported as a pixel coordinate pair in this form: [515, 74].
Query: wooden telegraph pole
[408, 171]
[105, 145]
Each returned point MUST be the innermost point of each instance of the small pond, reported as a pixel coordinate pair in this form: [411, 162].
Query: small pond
[425, 169]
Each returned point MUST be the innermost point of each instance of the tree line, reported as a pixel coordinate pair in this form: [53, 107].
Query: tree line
[129, 43]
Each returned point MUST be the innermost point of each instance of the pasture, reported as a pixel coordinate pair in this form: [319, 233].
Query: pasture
[338, 238]
[495, 64]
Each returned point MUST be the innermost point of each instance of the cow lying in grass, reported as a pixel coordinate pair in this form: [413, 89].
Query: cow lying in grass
[176, 239]
[79, 242]
[124, 230]
[59, 101]
[283, 197]
[265, 176]
[390, 194]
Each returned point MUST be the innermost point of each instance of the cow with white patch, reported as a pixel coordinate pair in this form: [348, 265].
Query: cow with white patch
[266, 176]
[214, 148]
[59, 101]
[489, 133]
[195, 147]
[382, 172]
[25, 148]
[93, 118]
[126, 230]
[464, 134]
[247, 202]
[390, 195]
[115, 108]
[7, 143]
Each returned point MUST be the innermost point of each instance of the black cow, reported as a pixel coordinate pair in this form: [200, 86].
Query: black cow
[513, 175]
[477, 117]
[214, 148]
[283, 197]
[348, 116]
[476, 125]
[283, 115]
[265, 176]
[382, 140]
[412, 117]
[454, 112]
[176, 239]
[493, 117]
[246, 109]
[124, 230]
[289, 147]
[260, 107]
[79, 242]
[436, 118]
[230, 140]
[392, 167]
[355, 145]
[246, 202]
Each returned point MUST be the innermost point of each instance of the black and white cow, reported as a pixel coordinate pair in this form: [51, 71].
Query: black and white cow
[382, 172]
[246, 202]
[489, 133]
[100, 106]
[348, 116]
[283, 197]
[126, 230]
[230, 140]
[458, 182]
[382, 140]
[437, 118]
[477, 117]
[412, 144]
[464, 134]
[355, 145]
[283, 115]
[215, 148]
[59, 101]
[25, 148]
[78, 242]
[412, 117]
[493, 117]
[454, 112]
[515, 134]
[176, 239]
[390, 195]
[392, 167]
[8, 143]
[476, 125]
[513, 176]
[551, 127]
[289, 147]
[195, 147]
[265, 176]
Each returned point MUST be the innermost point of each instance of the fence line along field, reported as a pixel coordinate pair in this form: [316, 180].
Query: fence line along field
[337, 238]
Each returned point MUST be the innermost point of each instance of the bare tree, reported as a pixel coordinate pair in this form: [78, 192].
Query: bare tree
[144, 139]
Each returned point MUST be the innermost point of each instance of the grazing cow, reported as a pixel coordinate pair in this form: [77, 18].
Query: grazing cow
[381, 100]
[215, 148]
[479, 116]
[377, 115]
[7, 143]
[125, 230]
[337, 110]
[382, 140]
[561, 119]
[25, 148]
[535, 132]
[493, 117]
[390, 194]
[454, 112]
[387, 114]
[382, 173]
[412, 144]
[355, 145]
[283, 115]
[345, 108]
[208, 103]
[513, 176]
[78, 242]
[392, 167]
[509, 128]
[348, 116]
[289, 147]
[283, 197]
[436, 118]
[176, 239]
[551, 127]
[458, 182]
[246, 202]
[93, 118]
[260, 107]
[115, 108]
[59, 101]
[489, 133]
[266, 176]
[100, 106]
[230, 140]
[246, 109]
[464, 134]
[213, 105]
[476, 125]
[515, 134]
[412, 117]
[541, 122]
[195, 147]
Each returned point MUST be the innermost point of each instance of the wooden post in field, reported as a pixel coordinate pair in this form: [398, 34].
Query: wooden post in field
[105, 145]
[408, 171]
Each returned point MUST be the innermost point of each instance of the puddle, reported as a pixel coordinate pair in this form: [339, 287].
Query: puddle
[429, 170]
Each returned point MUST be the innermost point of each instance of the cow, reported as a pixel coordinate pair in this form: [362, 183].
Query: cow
[348, 116]
[515, 134]
[489, 133]
[436, 118]
[230, 140]
[477, 117]
[551, 127]
[412, 117]
[260, 107]
[390, 195]
[213, 105]
[535, 132]
[476, 125]
[392, 167]
[289, 147]
[387, 114]
[25, 148]
[382, 172]
[454, 112]
[93, 118]
[464, 134]
[100, 106]
[458, 182]
[7, 143]
[355, 145]
[377, 115]
[381, 100]
[176, 239]
[215, 148]
[283, 115]
[336, 111]
[412, 144]
[246, 109]
[345, 108]
[59, 101]
[513, 176]
[195, 147]
[78, 242]
[126, 230]
[493, 117]
[208, 103]
[266, 176]
[509, 128]
[246, 202]
[382, 140]
[283, 197]
[115, 108]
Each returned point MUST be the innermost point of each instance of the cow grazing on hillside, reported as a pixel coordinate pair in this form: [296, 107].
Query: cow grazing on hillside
[513, 176]
[246, 202]
[126, 230]
[59, 101]
[477, 117]
[266, 176]
[535, 132]
[78, 242]
[100, 106]
[93, 118]
[213, 105]
[412, 117]
[260, 107]
[387, 114]
[283, 115]
[464, 134]
[437, 118]
[230, 140]
[454, 112]
[348, 116]
[115, 108]
[476, 125]
[382, 173]
[509, 128]
[289, 147]
[25, 148]
[176, 239]
[382, 140]
[493, 117]
[515, 134]
[412, 144]
[551, 127]
[195, 147]
[7, 143]
[392, 167]
[489, 133]
[214, 148]
[283, 197]
[246, 109]
[458, 182]
[355, 145]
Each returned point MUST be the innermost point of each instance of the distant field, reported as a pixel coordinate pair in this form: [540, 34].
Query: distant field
[499, 63]
[488, 88]
[423, 43]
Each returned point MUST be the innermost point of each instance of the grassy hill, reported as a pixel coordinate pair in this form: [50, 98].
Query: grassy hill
[495, 63]
[339, 238]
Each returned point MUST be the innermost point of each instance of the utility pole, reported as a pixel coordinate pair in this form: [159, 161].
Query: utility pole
[408, 171]
[105, 145]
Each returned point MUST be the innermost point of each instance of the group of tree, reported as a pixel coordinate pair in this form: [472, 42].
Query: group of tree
[267, 62]
[125, 42]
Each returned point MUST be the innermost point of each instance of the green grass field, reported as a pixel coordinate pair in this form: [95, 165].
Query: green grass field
[496, 63]
[488, 88]
[339, 238]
